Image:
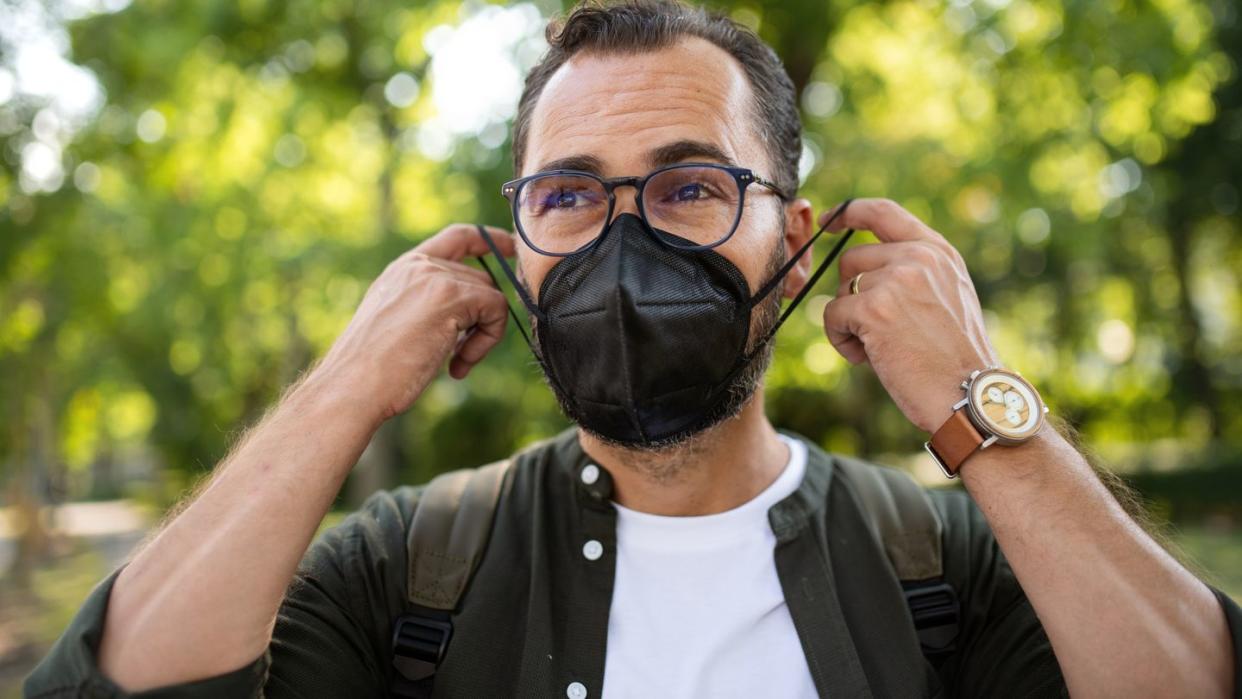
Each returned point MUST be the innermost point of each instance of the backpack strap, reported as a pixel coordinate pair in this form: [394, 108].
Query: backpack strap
[446, 539]
[903, 520]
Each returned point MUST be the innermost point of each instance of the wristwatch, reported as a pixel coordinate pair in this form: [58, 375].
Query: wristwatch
[1000, 407]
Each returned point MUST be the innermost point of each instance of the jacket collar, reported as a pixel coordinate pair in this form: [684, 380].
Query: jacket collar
[593, 484]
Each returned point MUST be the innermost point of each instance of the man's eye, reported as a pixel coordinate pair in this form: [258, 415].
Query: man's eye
[562, 199]
[691, 192]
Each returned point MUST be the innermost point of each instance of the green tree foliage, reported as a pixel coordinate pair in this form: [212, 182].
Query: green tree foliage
[255, 164]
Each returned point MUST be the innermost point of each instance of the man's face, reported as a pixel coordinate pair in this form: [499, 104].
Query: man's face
[624, 115]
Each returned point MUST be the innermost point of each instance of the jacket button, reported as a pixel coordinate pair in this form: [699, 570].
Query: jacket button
[576, 690]
[592, 550]
[590, 474]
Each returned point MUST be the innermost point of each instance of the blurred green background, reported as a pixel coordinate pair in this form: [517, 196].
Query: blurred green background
[194, 196]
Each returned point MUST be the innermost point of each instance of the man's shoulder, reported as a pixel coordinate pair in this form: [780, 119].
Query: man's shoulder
[962, 524]
[955, 506]
[395, 507]
[390, 505]
[952, 504]
[896, 504]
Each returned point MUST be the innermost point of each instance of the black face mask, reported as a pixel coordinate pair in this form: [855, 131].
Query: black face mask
[643, 341]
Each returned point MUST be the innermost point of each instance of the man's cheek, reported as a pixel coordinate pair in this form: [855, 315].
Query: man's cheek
[531, 270]
[757, 250]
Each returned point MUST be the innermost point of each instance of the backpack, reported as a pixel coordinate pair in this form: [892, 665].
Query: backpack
[454, 517]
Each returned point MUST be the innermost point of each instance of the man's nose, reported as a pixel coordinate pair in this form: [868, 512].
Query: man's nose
[626, 201]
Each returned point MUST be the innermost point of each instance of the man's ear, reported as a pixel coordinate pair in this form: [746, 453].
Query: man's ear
[799, 226]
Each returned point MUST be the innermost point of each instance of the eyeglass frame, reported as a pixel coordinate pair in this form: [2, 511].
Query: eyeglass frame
[743, 177]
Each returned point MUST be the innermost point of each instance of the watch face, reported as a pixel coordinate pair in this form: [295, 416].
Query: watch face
[1005, 405]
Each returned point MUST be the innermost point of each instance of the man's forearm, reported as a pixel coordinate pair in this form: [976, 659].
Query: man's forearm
[200, 599]
[1123, 616]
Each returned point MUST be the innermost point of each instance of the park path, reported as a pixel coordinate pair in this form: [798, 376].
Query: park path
[113, 527]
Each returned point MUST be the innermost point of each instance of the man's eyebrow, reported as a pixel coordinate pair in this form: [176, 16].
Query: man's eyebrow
[678, 151]
[586, 163]
[668, 154]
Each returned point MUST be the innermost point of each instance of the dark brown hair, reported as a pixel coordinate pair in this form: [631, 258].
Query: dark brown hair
[634, 26]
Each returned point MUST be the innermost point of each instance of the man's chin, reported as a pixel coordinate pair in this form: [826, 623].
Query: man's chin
[679, 441]
[689, 439]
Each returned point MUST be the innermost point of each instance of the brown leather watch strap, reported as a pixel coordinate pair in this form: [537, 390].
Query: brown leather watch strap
[956, 440]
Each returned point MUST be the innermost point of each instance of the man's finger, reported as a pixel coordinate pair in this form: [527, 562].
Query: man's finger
[462, 240]
[831, 215]
[490, 316]
[460, 269]
[867, 282]
[884, 217]
[842, 324]
[869, 257]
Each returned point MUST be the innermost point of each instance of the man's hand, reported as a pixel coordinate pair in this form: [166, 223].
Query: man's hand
[426, 305]
[916, 318]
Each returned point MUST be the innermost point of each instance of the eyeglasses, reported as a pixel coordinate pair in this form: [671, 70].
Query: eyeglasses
[696, 206]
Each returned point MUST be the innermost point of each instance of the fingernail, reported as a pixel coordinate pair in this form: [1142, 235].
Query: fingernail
[824, 217]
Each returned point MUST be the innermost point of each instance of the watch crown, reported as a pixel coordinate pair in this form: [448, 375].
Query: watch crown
[965, 385]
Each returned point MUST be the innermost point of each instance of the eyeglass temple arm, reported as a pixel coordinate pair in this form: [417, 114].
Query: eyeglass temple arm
[769, 184]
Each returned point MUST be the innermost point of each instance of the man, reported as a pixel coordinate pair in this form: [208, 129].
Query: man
[675, 544]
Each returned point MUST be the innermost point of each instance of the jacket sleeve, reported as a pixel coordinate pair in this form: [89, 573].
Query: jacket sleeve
[332, 633]
[70, 669]
[1002, 649]
[1233, 615]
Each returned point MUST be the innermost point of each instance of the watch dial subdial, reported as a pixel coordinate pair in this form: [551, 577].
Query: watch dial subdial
[1004, 405]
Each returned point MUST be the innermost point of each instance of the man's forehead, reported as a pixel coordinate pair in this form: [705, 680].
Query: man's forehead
[617, 111]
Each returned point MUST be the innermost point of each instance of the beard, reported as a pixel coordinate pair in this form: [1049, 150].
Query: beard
[738, 393]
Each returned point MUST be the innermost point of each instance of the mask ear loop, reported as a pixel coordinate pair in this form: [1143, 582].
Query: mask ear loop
[806, 288]
[521, 290]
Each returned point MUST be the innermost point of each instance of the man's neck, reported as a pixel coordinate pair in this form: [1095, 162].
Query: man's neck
[716, 471]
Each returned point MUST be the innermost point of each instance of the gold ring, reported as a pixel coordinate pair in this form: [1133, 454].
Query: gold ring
[854, 283]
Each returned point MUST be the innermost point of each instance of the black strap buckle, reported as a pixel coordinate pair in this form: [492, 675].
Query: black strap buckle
[935, 609]
[419, 642]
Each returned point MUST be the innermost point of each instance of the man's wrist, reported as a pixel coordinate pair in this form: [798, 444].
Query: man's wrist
[1025, 463]
[325, 390]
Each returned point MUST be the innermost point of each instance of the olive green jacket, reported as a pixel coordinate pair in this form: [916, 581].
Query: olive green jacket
[535, 616]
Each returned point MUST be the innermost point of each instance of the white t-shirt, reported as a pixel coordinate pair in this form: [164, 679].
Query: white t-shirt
[697, 609]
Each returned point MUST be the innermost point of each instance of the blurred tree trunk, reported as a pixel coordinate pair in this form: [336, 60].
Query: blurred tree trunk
[104, 481]
[798, 32]
[36, 453]
[1206, 166]
[1192, 377]
[375, 467]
